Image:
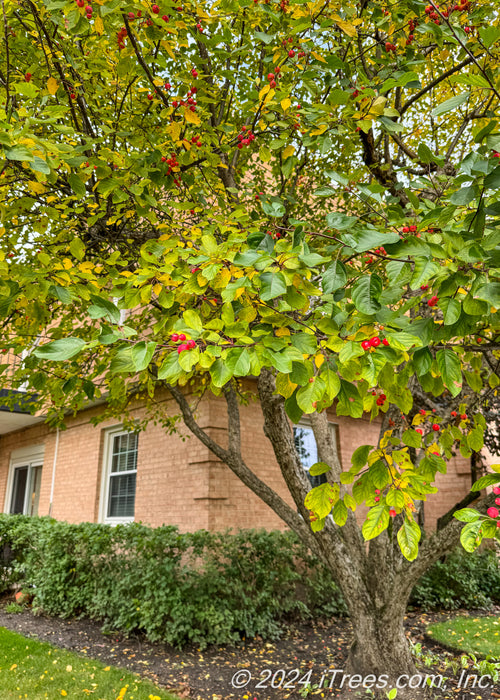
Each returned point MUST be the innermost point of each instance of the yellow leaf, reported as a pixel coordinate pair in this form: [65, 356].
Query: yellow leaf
[157, 288]
[320, 130]
[52, 85]
[285, 104]
[317, 56]
[191, 117]
[36, 187]
[319, 359]
[174, 130]
[269, 96]
[63, 693]
[98, 25]
[289, 151]
[264, 91]
[282, 331]
[168, 49]
[13, 667]
[346, 27]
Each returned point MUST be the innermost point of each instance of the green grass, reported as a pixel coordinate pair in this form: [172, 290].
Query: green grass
[32, 670]
[479, 635]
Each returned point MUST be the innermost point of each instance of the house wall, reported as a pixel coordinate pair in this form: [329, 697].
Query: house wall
[179, 481]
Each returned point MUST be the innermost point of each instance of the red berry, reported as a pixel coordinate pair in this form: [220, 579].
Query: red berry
[388, 46]
[432, 301]
[435, 427]
[272, 84]
[182, 336]
[165, 18]
[155, 9]
[376, 499]
[175, 337]
[419, 431]
[27, 77]
[150, 97]
[291, 53]
[492, 512]
[181, 348]
[270, 76]
[392, 512]
[194, 73]
[375, 342]
[73, 96]
[424, 287]
[365, 344]
[453, 414]
[406, 229]
[496, 490]
[385, 341]
[463, 416]
[422, 411]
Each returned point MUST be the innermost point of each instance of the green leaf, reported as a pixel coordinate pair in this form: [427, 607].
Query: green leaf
[475, 439]
[18, 153]
[266, 38]
[451, 310]
[220, 373]
[122, 361]
[360, 456]
[485, 481]
[340, 221]
[319, 468]
[192, 320]
[77, 185]
[273, 285]
[376, 521]
[466, 515]
[395, 498]
[332, 383]
[274, 208]
[321, 499]
[422, 360]
[142, 354]
[339, 513]
[471, 536]
[424, 271]
[77, 248]
[170, 369]
[490, 293]
[450, 104]
[408, 539]
[450, 370]
[365, 240]
[103, 308]
[411, 438]
[334, 277]
[365, 294]
[63, 349]
[292, 408]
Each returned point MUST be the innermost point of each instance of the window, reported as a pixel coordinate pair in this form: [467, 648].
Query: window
[25, 478]
[305, 444]
[119, 477]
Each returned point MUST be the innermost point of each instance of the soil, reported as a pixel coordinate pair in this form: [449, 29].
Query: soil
[290, 668]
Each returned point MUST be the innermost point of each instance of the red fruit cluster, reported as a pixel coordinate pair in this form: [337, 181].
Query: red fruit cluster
[155, 9]
[432, 301]
[392, 512]
[197, 141]
[121, 37]
[373, 343]
[381, 251]
[424, 287]
[493, 513]
[381, 400]
[389, 47]
[496, 154]
[271, 77]
[88, 11]
[245, 137]
[463, 416]
[194, 72]
[409, 229]
[435, 427]
[419, 431]
[171, 162]
[27, 77]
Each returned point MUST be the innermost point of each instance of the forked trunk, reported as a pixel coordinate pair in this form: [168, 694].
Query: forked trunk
[380, 658]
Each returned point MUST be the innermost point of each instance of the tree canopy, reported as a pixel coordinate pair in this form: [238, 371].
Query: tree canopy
[310, 189]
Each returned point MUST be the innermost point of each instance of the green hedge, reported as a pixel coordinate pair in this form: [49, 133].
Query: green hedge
[199, 587]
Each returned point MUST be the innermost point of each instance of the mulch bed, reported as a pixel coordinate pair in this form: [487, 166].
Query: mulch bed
[312, 648]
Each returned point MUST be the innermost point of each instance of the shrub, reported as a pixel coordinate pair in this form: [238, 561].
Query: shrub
[200, 587]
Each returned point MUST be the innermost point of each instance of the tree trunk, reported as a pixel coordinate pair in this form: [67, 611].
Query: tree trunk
[380, 655]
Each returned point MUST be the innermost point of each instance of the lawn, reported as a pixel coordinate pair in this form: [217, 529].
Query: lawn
[35, 670]
[479, 635]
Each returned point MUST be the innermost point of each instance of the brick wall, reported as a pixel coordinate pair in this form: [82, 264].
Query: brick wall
[179, 481]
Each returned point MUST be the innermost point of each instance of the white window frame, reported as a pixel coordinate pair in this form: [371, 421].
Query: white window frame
[31, 457]
[304, 422]
[109, 437]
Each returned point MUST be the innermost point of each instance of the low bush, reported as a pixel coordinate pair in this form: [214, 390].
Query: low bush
[200, 587]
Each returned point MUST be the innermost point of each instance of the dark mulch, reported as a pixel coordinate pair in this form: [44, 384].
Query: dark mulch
[312, 648]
